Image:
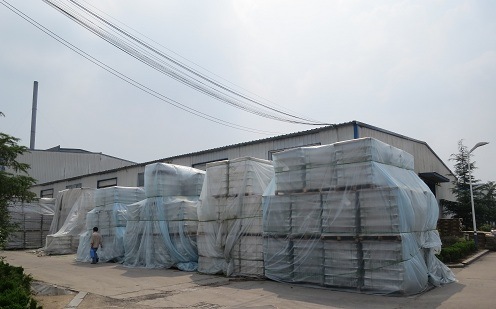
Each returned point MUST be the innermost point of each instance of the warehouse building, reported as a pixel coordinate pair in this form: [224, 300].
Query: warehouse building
[63, 163]
[430, 168]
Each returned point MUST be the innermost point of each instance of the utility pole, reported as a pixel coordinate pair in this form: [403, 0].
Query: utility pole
[33, 115]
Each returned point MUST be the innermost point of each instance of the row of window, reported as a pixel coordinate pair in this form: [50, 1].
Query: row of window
[104, 183]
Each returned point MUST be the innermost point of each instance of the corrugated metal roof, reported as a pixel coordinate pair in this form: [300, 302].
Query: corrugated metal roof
[78, 151]
[299, 133]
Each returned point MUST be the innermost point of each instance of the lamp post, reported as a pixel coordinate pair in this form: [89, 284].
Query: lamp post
[476, 241]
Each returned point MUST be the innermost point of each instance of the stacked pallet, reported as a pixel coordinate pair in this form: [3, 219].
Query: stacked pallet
[109, 215]
[33, 222]
[356, 217]
[230, 217]
[161, 229]
[71, 208]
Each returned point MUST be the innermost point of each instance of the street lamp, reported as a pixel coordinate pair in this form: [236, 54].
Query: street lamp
[471, 192]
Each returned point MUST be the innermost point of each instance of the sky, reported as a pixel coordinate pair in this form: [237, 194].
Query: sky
[423, 69]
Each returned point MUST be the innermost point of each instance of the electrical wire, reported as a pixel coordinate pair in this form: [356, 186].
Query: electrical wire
[128, 79]
[175, 69]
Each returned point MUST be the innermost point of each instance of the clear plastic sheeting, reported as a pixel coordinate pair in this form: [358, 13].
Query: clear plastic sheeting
[33, 222]
[79, 202]
[163, 179]
[109, 216]
[307, 168]
[230, 238]
[161, 233]
[354, 216]
[64, 201]
[161, 229]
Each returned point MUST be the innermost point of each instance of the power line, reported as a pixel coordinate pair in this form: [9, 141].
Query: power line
[128, 79]
[171, 67]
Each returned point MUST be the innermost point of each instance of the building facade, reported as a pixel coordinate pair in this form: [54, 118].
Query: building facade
[428, 165]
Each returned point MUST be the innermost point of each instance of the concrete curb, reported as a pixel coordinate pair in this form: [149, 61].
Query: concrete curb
[469, 260]
[76, 300]
[475, 257]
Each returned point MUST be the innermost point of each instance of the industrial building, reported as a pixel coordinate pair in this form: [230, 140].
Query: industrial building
[430, 168]
[63, 163]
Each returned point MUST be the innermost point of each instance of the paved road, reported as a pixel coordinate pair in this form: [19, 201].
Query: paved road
[165, 288]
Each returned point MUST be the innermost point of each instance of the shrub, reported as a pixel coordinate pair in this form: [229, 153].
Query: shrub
[485, 228]
[451, 240]
[457, 251]
[15, 288]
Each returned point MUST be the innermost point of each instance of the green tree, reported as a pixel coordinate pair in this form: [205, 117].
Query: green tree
[14, 186]
[462, 207]
[488, 201]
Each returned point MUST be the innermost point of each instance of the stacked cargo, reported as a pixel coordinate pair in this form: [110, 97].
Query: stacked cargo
[71, 208]
[230, 217]
[352, 215]
[109, 215]
[32, 222]
[161, 229]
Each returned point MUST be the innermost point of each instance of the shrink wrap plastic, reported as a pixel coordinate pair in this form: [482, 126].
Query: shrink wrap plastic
[163, 179]
[161, 229]
[354, 216]
[109, 215]
[230, 217]
[33, 222]
[71, 208]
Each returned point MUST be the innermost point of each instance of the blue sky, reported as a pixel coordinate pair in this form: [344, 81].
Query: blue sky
[424, 69]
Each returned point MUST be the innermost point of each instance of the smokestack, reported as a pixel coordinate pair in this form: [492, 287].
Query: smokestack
[33, 115]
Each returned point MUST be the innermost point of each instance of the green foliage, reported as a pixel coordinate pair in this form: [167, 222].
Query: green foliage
[457, 251]
[451, 240]
[15, 288]
[485, 228]
[484, 194]
[14, 186]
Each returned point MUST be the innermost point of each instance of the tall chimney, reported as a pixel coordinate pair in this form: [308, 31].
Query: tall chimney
[33, 115]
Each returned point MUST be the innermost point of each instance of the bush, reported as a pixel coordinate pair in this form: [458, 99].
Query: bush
[451, 240]
[457, 251]
[485, 228]
[15, 288]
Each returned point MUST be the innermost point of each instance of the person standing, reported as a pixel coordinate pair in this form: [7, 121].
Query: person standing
[96, 241]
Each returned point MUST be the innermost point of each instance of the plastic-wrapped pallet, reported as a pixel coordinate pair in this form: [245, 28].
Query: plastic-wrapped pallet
[377, 228]
[161, 229]
[109, 215]
[163, 179]
[161, 233]
[33, 222]
[66, 239]
[321, 167]
[230, 217]
[64, 201]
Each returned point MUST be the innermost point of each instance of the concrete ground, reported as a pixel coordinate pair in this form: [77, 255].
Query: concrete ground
[108, 285]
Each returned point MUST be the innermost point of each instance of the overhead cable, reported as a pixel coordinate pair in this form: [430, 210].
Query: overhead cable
[128, 79]
[169, 66]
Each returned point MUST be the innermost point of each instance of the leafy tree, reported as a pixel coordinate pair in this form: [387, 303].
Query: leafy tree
[14, 186]
[484, 194]
[488, 201]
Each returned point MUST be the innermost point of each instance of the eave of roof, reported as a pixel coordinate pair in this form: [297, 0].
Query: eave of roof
[273, 138]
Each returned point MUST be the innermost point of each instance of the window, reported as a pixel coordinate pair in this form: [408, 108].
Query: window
[46, 193]
[73, 186]
[105, 183]
[203, 165]
[141, 179]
